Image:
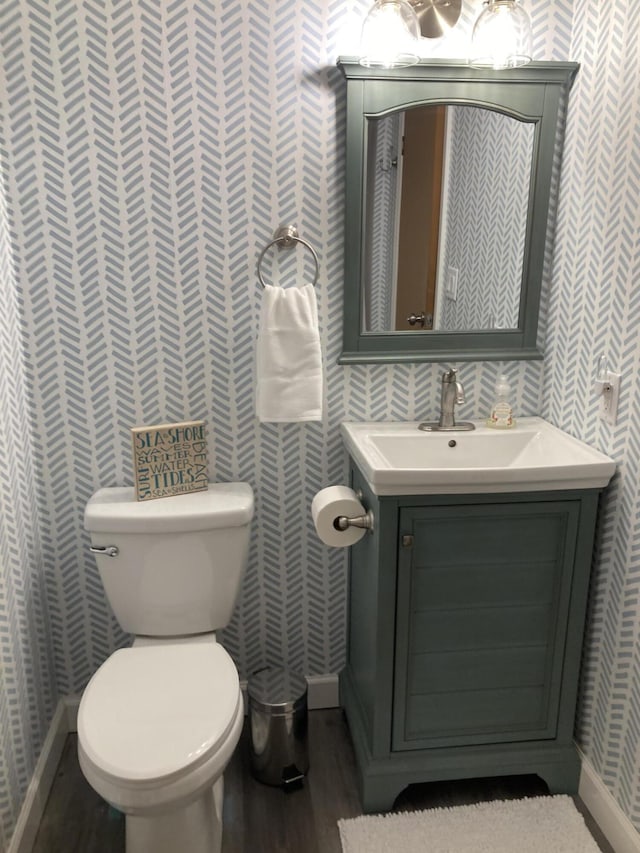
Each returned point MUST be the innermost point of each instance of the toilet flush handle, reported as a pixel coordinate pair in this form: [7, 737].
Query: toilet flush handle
[107, 550]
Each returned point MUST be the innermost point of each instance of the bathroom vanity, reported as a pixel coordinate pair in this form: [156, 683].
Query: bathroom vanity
[466, 616]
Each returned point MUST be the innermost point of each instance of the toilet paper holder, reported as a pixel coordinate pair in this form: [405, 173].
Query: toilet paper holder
[343, 522]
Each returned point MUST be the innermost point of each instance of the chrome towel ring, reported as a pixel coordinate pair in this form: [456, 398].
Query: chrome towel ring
[286, 237]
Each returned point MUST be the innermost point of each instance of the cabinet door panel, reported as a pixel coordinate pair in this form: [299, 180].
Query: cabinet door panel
[479, 627]
[483, 597]
[484, 711]
[484, 669]
[471, 535]
[441, 585]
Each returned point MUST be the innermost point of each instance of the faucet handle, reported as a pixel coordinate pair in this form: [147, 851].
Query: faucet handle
[450, 375]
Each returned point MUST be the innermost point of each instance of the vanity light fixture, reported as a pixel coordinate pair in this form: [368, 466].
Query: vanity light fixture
[436, 17]
[501, 36]
[390, 35]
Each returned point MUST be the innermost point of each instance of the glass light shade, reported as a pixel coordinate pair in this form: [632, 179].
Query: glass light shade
[390, 35]
[501, 36]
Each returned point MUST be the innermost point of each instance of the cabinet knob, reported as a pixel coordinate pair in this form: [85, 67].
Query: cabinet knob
[407, 540]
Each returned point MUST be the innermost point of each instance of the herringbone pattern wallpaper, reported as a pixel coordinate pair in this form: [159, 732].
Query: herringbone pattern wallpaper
[483, 236]
[27, 692]
[149, 151]
[381, 226]
[595, 309]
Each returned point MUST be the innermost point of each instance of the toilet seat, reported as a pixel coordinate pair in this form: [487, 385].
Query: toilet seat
[156, 721]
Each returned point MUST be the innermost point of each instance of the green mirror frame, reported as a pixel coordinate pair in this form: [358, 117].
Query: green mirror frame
[534, 93]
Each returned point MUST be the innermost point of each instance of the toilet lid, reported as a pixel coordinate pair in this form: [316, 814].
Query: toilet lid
[150, 712]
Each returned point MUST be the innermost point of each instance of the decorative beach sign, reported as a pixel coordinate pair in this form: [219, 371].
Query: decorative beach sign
[169, 459]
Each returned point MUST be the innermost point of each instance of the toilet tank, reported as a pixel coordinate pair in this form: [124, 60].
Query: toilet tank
[180, 560]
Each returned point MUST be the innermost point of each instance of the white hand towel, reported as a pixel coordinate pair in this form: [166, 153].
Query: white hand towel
[289, 360]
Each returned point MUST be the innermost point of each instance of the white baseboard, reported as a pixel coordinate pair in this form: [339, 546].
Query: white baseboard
[44, 773]
[72, 703]
[613, 822]
[323, 692]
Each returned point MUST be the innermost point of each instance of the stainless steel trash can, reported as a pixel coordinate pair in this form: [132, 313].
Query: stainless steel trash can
[278, 718]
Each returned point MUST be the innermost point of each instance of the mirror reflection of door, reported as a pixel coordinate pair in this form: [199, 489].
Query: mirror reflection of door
[483, 166]
[417, 256]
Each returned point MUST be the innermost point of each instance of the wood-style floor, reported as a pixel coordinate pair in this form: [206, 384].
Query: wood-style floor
[260, 819]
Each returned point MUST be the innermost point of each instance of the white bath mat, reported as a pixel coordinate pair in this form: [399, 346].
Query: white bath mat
[534, 825]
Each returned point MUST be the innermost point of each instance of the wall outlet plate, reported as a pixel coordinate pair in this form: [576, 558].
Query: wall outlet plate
[609, 398]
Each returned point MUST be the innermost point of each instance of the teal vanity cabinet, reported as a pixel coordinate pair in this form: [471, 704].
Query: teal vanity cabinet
[466, 617]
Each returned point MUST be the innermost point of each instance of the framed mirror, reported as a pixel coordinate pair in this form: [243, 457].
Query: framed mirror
[448, 183]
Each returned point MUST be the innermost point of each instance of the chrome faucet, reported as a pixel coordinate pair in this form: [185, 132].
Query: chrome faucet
[451, 393]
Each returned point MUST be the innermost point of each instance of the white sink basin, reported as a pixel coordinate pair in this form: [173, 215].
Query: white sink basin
[399, 459]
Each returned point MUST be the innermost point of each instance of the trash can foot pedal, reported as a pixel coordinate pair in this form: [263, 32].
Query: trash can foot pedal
[292, 778]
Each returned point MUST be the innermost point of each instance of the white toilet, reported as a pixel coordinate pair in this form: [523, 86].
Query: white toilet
[159, 721]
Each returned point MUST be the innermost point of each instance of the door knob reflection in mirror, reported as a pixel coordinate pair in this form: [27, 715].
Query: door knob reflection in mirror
[417, 319]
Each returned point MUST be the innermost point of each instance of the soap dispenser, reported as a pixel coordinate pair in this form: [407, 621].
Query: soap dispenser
[501, 412]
